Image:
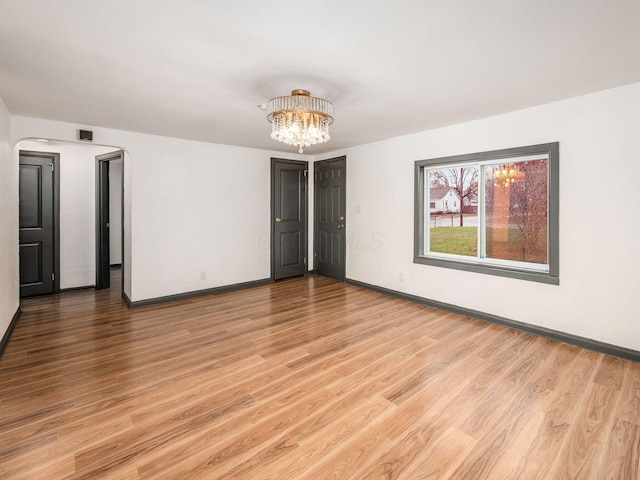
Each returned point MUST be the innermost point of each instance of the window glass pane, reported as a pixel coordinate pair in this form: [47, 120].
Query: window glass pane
[453, 210]
[516, 211]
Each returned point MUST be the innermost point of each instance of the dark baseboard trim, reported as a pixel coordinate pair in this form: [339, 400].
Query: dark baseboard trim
[196, 293]
[7, 335]
[126, 299]
[582, 342]
[74, 289]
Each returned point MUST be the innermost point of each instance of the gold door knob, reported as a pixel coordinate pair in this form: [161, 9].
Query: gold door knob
[278, 219]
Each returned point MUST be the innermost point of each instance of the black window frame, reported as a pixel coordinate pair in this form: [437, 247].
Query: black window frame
[552, 151]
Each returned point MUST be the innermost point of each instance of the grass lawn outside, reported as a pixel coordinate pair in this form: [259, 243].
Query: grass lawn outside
[456, 240]
[464, 241]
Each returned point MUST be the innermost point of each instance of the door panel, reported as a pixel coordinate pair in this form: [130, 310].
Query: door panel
[324, 203]
[290, 248]
[30, 202]
[30, 263]
[336, 200]
[323, 250]
[291, 207]
[36, 217]
[330, 187]
[336, 249]
[289, 222]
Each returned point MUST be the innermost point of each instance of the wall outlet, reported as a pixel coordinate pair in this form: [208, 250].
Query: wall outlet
[203, 275]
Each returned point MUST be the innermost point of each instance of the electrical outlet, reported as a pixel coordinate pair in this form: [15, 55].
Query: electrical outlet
[203, 275]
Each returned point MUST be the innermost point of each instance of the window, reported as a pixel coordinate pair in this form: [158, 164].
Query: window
[507, 223]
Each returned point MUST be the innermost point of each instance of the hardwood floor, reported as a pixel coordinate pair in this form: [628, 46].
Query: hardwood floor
[306, 378]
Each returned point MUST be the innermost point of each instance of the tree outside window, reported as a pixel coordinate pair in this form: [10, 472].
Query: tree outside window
[507, 223]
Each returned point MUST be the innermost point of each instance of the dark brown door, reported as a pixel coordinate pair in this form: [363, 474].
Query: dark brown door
[37, 222]
[330, 217]
[289, 218]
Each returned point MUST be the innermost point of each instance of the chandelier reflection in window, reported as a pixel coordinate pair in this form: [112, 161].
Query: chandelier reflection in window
[506, 175]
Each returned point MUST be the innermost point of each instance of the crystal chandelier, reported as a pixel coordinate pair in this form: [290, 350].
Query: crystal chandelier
[300, 119]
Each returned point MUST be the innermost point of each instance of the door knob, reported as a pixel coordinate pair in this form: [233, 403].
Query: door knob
[340, 227]
[278, 219]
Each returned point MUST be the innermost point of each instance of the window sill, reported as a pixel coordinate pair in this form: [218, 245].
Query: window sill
[529, 275]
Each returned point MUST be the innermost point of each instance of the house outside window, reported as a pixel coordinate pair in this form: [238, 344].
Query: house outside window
[507, 222]
[440, 198]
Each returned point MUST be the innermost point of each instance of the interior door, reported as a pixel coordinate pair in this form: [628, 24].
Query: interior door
[103, 273]
[289, 218]
[36, 218]
[103, 219]
[330, 217]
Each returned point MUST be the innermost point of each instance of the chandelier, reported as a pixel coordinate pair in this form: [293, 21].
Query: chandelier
[506, 175]
[300, 119]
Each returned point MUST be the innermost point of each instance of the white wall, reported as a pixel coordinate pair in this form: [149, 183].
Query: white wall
[77, 209]
[190, 207]
[115, 212]
[9, 266]
[599, 137]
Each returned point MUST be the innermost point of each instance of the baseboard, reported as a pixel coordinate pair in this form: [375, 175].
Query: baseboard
[196, 293]
[7, 335]
[126, 299]
[589, 344]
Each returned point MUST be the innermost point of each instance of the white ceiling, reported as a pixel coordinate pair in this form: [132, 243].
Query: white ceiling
[197, 69]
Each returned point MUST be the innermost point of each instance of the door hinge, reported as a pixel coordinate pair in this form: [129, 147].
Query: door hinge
[52, 167]
[306, 172]
[305, 260]
[53, 277]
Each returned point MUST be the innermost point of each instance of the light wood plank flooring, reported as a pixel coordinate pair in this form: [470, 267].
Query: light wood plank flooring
[306, 378]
